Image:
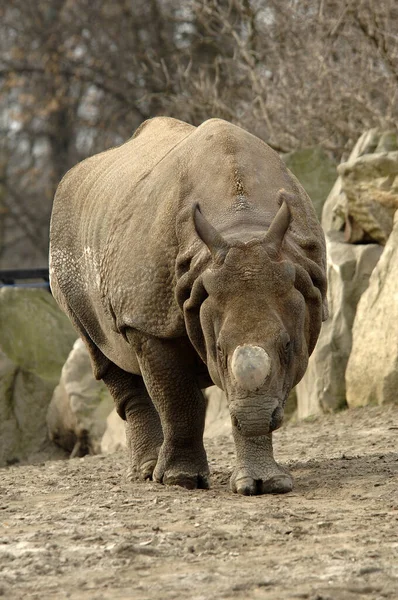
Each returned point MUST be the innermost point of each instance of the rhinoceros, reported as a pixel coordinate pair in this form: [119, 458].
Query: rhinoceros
[186, 257]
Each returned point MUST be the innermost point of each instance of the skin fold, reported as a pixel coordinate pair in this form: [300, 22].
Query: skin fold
[184, 258]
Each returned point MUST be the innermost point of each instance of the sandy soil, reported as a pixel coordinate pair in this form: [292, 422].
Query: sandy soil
[78, 529]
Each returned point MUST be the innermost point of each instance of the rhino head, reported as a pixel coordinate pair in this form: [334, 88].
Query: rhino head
[258, 326]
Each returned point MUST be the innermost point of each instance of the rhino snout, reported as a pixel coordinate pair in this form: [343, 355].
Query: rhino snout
[254, 417]
[250, 366]
[250, 428]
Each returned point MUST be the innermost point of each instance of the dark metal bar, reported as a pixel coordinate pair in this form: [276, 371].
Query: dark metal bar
[18, 277]
[45, 285]
[41, 273]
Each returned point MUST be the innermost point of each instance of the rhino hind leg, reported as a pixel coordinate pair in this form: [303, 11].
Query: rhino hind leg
[256, 471]
[172, 384]
[144, 434]
[143, 429]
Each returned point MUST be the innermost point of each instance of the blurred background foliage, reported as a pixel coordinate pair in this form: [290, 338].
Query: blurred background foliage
[79, 76]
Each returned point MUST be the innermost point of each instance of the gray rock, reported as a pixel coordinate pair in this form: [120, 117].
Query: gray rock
[218, 420]
[388, 141]
[372, 370]
[370, 184]
[365, 195]
[35, 339]
[77, 414]
[114, 437]
[349, 269]
[334, 209]
[316, 172]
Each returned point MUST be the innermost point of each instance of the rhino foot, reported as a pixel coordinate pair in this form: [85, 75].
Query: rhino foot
[276, 481]
[188, 473]
[190, 481]
[144, 471]
[143, 447]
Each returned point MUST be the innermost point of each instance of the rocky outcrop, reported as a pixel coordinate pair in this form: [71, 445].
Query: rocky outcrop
[114, 437]
[365, 195]
[359, 210]
[80, 405]
[370, 184]
[218, 420]
[372, 371]
[35, 339]
[334, 209]
[349, 268]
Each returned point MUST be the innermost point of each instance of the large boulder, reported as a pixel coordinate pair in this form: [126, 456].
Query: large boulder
[334, 209]
[370, 184]
[349, 268]
[35, 339]
[372, 370]
[114, 437]
[218, 420]
[316, 172]
[365, 195]
[80, 405]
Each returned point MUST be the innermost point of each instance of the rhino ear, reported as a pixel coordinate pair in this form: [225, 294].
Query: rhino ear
[210, 236]
[279, 226]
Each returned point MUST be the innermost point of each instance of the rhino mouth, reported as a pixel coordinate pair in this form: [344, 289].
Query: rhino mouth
[276, 419]
[257, 427]
[250, 428]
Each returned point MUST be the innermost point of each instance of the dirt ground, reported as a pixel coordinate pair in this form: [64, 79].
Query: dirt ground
[79, 529]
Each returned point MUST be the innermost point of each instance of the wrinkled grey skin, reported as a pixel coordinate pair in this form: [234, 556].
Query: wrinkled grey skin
[185, 257]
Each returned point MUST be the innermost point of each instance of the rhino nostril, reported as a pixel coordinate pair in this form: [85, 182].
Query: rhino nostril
[236, 423]
[276, 418]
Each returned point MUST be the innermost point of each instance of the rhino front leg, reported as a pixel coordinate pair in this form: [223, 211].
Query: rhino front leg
[173, 387]
[143, 429]
[256, 470]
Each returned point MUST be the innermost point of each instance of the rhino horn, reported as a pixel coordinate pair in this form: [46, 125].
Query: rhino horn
[250, 366]
[210, 236]
[276, 232]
